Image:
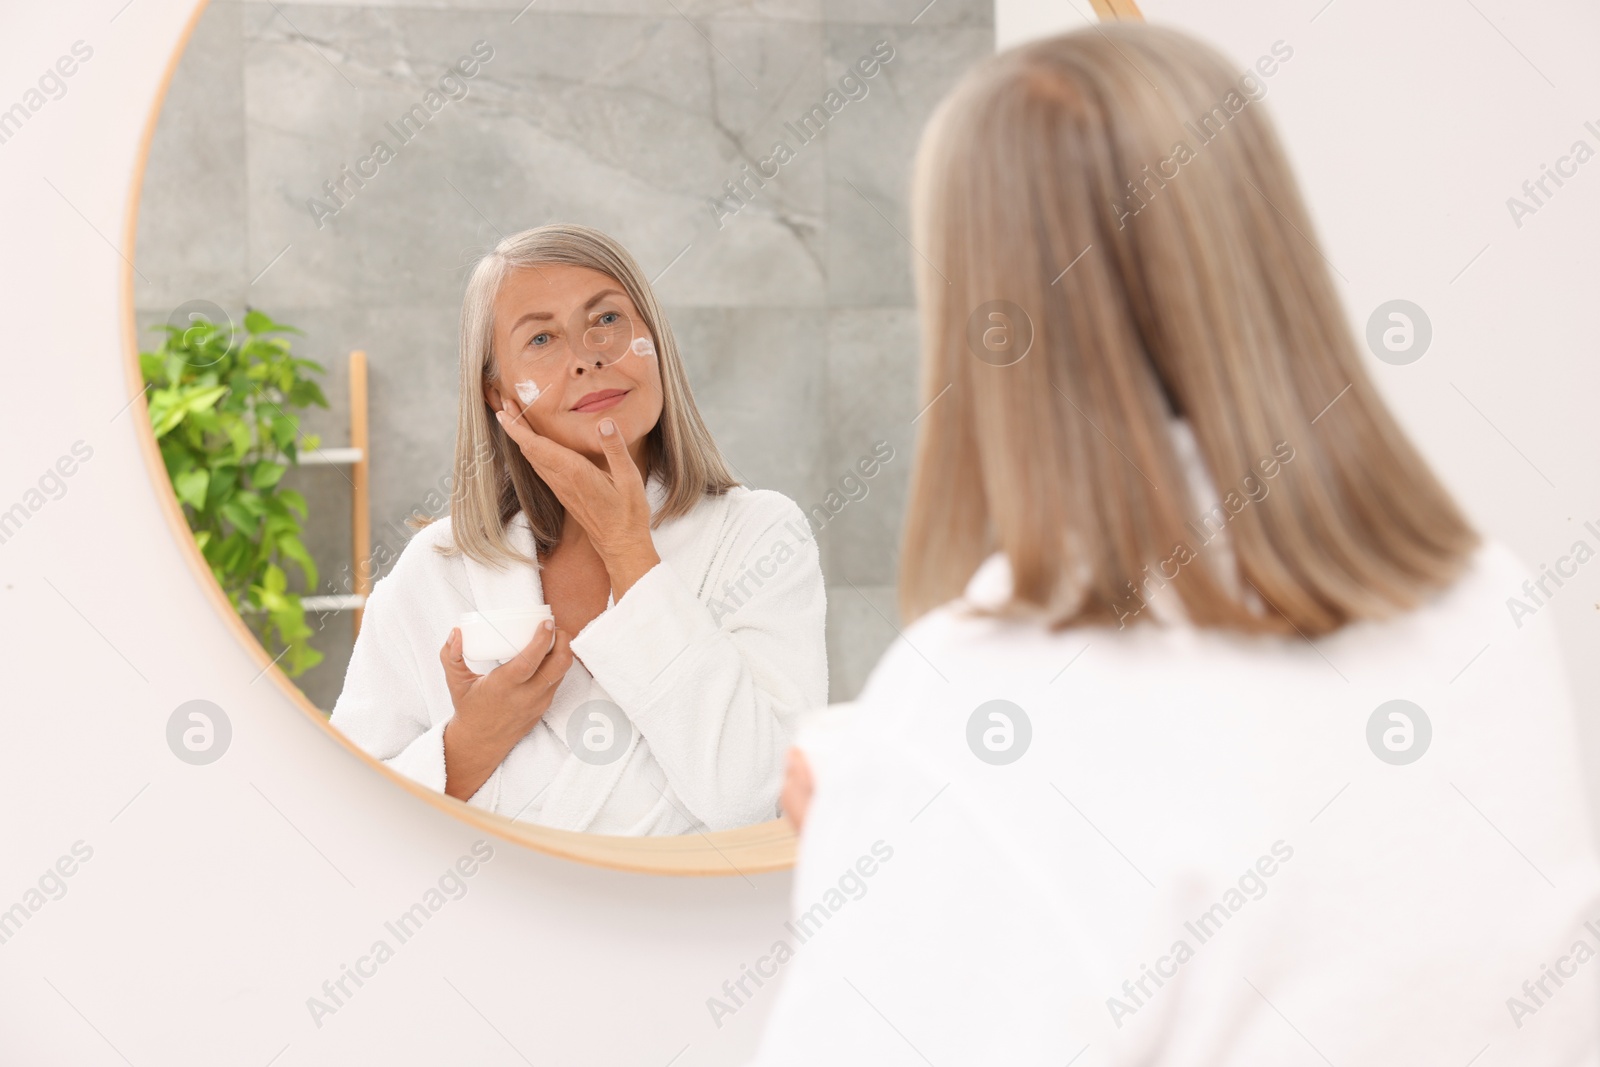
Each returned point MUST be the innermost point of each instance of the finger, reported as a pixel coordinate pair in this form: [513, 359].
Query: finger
[624, 471]
[550, 459]
[511, 419]
[520, 668]
[457, 675]
[554, 667]
[797, 789]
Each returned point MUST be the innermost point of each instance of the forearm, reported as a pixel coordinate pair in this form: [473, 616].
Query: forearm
[469, 759]
[712, 706]
[720, 739]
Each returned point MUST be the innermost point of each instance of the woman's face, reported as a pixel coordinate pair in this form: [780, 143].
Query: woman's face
[571, 350]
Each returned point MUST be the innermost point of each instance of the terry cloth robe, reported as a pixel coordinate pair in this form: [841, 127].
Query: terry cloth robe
[710, 657]
[1205, 849]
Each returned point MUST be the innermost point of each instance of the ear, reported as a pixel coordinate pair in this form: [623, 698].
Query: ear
[491, 396]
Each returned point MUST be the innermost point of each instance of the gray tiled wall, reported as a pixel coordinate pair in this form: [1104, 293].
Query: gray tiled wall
[794, 315]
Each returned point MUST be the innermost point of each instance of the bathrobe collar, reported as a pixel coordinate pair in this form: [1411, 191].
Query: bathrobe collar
[580, 789]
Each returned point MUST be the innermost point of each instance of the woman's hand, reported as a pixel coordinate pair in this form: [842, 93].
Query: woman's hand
[610, 505]
[797, 789]
[496, 710]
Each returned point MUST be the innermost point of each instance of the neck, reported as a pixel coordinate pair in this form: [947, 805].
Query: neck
[574, 538]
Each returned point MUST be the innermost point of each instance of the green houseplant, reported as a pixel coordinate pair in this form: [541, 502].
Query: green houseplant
[222, 405]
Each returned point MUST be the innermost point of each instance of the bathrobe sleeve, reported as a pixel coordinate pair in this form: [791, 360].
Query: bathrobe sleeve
[384, 705]
[714, 677]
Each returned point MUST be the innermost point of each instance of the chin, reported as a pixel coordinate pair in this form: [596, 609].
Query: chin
[581, 432]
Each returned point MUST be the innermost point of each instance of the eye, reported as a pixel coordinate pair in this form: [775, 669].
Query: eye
[607, 318]
[535, 339]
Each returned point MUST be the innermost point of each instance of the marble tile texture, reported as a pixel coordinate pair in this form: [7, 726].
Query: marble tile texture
[792, 305]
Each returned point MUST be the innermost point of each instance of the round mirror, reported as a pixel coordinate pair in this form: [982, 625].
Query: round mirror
[397, 274]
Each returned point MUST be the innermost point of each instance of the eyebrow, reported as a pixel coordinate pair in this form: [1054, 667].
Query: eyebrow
[545, 315]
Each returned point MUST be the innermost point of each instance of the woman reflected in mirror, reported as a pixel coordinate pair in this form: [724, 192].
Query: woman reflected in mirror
[685, 611]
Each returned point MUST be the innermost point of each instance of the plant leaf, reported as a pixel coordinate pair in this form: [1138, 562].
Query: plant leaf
[294, 500]
[240, 516]
[273, 580]
[265, 474]
[291, 547]
[191, 487]
[250, 500]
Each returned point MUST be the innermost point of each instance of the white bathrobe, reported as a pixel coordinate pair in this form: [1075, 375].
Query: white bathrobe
[710, 656]
[1185, 787]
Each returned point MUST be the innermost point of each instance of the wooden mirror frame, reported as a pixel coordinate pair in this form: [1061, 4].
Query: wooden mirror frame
[763, 847]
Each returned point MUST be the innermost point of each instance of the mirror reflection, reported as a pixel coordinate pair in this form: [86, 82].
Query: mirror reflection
[539, 384]
[629, 632]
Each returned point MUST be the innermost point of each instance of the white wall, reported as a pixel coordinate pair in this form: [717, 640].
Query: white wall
[1410, 125]
[1016, 21]
[219, 898]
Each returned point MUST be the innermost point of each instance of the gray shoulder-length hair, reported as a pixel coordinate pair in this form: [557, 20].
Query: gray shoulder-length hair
[493, 480]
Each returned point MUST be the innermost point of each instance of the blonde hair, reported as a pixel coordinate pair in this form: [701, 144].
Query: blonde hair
[1209, 302]
[493, 481]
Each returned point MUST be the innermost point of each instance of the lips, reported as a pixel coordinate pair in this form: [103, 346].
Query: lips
[599, 401]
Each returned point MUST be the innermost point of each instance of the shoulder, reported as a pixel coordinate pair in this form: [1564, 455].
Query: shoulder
[743, 535]
[935, 647]
[760, 521]
[427, 547]
[1492, 574]
[1495, 562]
[760, 507]
[434, 535]
[743, 517]
[422, 561]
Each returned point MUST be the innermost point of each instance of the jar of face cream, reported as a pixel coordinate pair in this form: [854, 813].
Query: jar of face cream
[495, 636]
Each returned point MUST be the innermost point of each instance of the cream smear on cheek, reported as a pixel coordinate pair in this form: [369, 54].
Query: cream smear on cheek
[528, 390]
